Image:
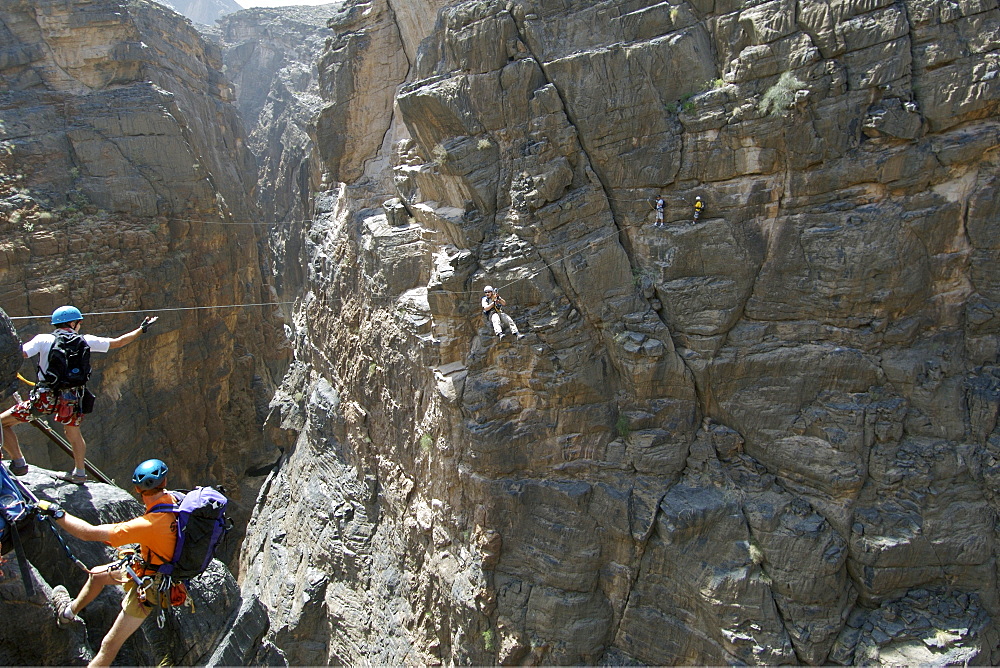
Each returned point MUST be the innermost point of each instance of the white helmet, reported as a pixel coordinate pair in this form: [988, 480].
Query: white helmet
[488, 288]
[697, 196]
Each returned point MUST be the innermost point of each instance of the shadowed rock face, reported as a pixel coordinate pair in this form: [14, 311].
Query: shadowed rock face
[126, 188]
[10, 356]
[765, 437]
[270, 55]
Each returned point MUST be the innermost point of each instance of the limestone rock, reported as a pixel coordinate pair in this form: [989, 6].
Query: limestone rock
[206, 12]
[127, 189]
[763, 437]
[728, 440]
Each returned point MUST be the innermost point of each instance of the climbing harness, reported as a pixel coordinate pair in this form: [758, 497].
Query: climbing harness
[44, 427]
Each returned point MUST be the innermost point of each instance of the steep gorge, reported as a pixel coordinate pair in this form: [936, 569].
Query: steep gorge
[766, 437]
[128, 188]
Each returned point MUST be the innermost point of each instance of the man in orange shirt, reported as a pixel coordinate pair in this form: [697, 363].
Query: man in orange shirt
[156, 534]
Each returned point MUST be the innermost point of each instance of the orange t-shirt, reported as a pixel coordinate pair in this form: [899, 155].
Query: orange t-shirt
[156, 534]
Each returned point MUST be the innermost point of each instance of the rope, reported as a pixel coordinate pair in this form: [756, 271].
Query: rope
[158, 310]
[589, 245]
[647, 200]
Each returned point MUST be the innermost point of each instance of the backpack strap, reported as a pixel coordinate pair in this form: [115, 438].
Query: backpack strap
[170, 507]
[165, 508]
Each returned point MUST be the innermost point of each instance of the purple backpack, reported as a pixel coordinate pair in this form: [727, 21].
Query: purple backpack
[201, 524]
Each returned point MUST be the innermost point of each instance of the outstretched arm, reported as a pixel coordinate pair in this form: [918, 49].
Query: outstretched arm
[129, 337]
[73, 525]
[83, 529]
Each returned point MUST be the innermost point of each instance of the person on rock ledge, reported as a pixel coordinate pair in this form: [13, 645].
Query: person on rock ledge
[658, 206]
[52, 395]
[699, 205]
[156, 534]
[493, 305]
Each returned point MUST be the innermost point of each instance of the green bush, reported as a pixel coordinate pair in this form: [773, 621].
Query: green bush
[426, 441]
[779, 97]
[622, 426]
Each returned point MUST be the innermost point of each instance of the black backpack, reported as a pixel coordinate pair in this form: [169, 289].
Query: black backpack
[69, 361]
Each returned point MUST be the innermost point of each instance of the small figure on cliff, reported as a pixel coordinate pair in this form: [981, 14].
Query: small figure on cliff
[659, 205]
[698, 206]
[493, 305]
[156, 534]
[63, 370]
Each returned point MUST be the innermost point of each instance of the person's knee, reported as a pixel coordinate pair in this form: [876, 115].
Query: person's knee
[101, 576]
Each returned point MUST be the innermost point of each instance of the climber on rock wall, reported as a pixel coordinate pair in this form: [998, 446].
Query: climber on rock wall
[659, 205]
[156, 534]
[699, 205]
[61, 389]
[493, 305]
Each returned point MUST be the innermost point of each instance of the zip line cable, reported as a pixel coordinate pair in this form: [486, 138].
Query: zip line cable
[646, 200]
[159, 310]
[587, 246]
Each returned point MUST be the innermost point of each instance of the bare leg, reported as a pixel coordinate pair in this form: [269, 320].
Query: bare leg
[99, 578]
[121, 630]
[10, 443]
[75, 437]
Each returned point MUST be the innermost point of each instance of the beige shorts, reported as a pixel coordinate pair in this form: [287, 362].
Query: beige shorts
[133, 607]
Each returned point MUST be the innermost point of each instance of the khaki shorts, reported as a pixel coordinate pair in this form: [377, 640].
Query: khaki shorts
[131, 604]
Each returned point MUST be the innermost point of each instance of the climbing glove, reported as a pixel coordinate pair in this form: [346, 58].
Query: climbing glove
[146, 322]
[50, 509]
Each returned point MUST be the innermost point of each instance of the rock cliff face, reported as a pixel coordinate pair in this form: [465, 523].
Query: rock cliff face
[205, 12]
[271, 57]
[127, 186]
[768, 436]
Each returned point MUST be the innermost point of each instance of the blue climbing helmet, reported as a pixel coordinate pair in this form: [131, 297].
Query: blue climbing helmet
[65, 314]
[149, 474]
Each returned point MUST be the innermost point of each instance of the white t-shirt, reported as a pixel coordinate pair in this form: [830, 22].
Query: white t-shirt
[42, 343]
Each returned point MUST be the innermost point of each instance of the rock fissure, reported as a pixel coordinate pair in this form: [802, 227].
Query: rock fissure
[828, 311]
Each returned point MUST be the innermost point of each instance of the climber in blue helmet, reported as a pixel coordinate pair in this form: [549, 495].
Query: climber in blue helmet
[150, 474]
[63, 369]
[156, 535]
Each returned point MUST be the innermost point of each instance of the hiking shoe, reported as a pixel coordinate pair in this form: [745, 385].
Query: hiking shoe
[500, 336]
[18, 469]
[74, 478]
[520, 336]
[63, 604]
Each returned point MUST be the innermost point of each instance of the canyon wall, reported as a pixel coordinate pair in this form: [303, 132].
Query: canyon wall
[127, 188]
[766, 436]
[204, 12]
[271, 57]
